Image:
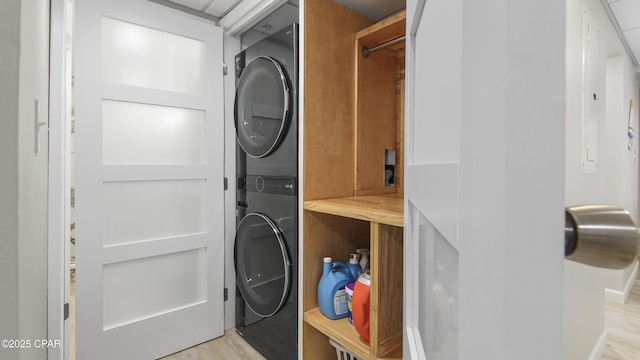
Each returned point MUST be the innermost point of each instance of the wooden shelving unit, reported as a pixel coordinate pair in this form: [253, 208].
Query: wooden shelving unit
[353, 111]
[341, 331]
[385, 217]
[379, 117]
[383, 209]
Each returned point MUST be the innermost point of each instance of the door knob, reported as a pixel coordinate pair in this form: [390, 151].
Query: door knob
[600, 235]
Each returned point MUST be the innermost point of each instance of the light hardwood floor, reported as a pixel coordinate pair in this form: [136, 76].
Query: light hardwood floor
[229, 347]
[623, 327]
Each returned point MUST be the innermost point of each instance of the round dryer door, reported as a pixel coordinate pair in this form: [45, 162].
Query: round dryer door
[262, 106]
[262, 264]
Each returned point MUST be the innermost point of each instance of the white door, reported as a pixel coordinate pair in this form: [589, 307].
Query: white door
[149, 180]
[484, 242]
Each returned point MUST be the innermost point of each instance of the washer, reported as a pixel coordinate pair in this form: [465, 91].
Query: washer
[266, 106]
[266, 260]
[266, 245]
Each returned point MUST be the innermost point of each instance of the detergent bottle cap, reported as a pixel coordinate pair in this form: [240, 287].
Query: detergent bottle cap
[327, 259]
[353, 258]
[365, 278]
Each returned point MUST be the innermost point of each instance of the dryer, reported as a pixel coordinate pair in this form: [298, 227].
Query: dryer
[266, 244]
[266, 106]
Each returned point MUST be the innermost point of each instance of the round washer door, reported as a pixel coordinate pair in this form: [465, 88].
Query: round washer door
[262, 264]
[262, 106]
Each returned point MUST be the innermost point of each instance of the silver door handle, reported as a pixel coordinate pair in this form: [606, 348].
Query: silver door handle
[600, 235]
[37, 125]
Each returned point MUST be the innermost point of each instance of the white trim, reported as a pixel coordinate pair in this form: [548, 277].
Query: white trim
[154, 247]
[412, 341]
[301, 199]
[142, 95]
[599, 346]
[137, 172]
[415, 19]
[58, 182]
[247, 14]
[618, 296]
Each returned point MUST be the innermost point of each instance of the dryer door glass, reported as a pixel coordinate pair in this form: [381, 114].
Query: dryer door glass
[262, 106]
[262, 264]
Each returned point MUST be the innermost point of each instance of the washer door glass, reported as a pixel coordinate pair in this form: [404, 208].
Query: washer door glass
[262, 264]
[262, 106]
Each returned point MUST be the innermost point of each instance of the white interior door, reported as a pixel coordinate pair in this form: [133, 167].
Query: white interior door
[149, 180]
[484, 242]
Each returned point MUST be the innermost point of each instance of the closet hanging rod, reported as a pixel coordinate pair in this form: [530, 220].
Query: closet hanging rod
[366, 51]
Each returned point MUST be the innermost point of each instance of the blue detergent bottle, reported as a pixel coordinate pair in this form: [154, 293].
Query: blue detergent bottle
[332, 298]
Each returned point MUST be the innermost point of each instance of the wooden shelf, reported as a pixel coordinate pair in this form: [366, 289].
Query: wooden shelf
[388, 29]
[345, 334]
[383, 209]
[384, 214]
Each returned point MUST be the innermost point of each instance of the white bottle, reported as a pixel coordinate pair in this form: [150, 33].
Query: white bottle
[364, 259]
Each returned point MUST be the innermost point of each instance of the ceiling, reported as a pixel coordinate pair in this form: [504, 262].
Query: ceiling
[213, 8]
[270, 16]
[625, 16]
[276, 14]
[238, 16]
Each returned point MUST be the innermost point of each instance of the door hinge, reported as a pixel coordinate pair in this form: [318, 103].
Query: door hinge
[225, 69]
[226, 294]
[226, 183]
[65, 311]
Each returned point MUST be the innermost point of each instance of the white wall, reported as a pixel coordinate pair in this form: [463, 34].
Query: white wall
[32, 186]
[622, 170]
[10, 45]
[615, 182]
[617, 176]
[23, 179]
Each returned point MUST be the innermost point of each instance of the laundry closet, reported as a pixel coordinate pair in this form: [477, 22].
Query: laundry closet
[352, 150]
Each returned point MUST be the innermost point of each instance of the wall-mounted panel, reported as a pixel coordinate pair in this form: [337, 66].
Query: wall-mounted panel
[593, 92]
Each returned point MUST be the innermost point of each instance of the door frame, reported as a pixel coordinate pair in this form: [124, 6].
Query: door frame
[412, 341]
[59, 184]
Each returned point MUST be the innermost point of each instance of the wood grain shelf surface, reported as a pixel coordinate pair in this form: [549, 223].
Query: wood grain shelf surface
[385, 30]
[383, 209]
[344, 333]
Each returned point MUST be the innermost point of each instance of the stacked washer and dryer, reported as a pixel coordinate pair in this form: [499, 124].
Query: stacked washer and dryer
[266, 244]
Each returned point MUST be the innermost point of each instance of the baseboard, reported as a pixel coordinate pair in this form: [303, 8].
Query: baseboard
[618, 296]
[598, 349]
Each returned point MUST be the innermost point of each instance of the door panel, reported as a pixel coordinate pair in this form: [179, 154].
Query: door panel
[484, 180]
[135, 211]
[137, 133]
[432, 181]
[149, 190]
[142, 288]
[137, 55]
